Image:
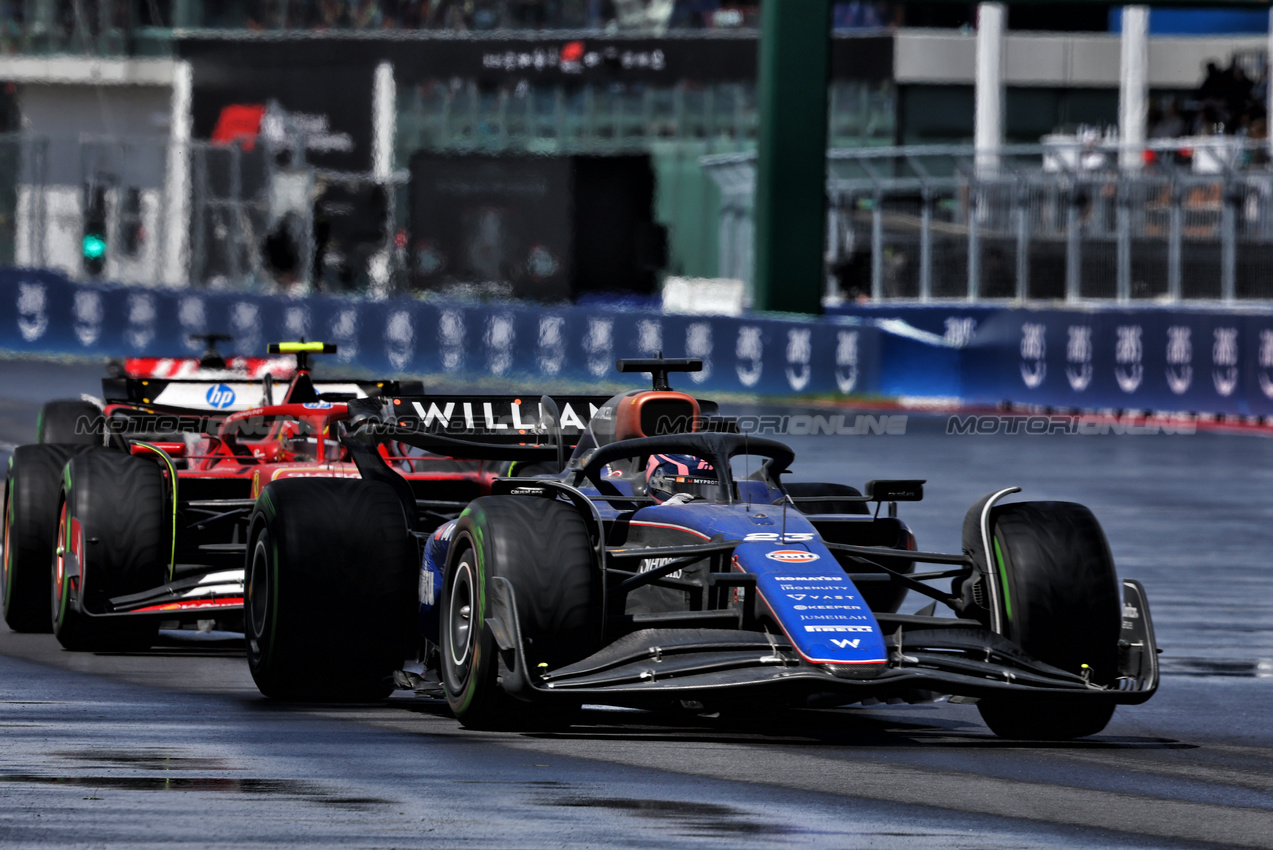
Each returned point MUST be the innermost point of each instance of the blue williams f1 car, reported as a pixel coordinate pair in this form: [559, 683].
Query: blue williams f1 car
[666, 561]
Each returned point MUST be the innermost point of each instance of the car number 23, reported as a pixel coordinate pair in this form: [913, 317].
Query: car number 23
[775, 537]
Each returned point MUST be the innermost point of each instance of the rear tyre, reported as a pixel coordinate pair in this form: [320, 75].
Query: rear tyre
[543, 549]
[65, 422]
[31, 489]
[330, 584]
[113, 539]
[1061, 605]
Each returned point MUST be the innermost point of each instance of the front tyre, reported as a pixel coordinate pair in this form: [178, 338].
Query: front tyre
[114, 538]
[1061, 605]
[543, 549]
[330, 590]
[31, 488]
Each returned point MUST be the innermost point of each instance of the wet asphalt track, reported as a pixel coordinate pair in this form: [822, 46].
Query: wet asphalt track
[175, 745]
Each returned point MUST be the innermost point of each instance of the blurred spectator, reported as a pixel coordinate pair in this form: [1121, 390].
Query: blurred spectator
[862, 15]
[1168, 124]
[693, 14]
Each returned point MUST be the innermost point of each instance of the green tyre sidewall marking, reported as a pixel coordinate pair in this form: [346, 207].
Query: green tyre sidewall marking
[66, 579]
[1003, 574]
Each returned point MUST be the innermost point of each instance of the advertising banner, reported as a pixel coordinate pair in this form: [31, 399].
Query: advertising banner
[489, 344]
[1152, 359]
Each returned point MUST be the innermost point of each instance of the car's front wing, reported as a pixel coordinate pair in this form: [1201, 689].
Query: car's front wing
[954, 659]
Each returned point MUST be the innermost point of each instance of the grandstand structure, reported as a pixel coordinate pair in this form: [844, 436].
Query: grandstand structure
[265, 144]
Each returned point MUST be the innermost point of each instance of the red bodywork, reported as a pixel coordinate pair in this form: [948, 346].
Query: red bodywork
[252, 368]
[216, 477]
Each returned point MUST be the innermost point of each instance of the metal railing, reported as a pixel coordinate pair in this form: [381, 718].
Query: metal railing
[200, 214]
[1058, 221]
[129, 27]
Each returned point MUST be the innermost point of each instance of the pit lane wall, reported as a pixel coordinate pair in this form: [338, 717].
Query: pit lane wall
[484, 344]
[1152, 358]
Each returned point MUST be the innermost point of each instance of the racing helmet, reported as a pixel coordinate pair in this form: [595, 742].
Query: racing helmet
[667, 476]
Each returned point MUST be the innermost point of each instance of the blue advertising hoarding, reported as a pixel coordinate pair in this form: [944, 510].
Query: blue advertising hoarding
[473, 342]
[1147, 358]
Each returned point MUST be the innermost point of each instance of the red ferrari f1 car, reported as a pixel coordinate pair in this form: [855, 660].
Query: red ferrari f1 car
[103, 543]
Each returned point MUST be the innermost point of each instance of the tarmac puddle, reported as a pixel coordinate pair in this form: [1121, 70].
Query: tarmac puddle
[1246, 668]
[699, 818]
[295, 789]
[149, 759]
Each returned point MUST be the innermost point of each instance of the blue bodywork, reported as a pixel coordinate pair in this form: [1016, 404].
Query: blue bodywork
[798, 580]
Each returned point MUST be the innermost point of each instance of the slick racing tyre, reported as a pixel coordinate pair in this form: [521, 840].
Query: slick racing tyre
[543, 549]
[65, 422]
[1061, 605]
[330, 603]
[113, 539]
[31, 489]
[834, 503]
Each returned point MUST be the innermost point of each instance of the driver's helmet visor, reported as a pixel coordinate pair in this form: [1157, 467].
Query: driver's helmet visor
[668, 475]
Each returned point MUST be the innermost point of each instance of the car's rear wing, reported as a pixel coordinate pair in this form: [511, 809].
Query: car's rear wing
[230, 395]
[500, 419]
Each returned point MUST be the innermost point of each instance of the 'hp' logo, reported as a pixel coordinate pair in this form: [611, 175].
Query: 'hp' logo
[220, 396]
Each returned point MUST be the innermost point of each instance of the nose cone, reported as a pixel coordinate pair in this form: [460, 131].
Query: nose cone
[816, 605]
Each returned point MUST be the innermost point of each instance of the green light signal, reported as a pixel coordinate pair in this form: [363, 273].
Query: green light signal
[94, 246]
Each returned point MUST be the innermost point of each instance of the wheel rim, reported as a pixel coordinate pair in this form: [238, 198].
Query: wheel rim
[5, 569]
[259, 588]
[459, 621]
[59, 565]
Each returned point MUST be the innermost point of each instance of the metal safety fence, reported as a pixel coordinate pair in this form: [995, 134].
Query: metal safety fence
[1188, 220]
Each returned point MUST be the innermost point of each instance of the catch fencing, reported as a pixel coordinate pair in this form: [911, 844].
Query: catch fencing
[1059, 221]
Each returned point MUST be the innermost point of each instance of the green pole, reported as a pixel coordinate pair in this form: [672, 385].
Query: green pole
[791, 163]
